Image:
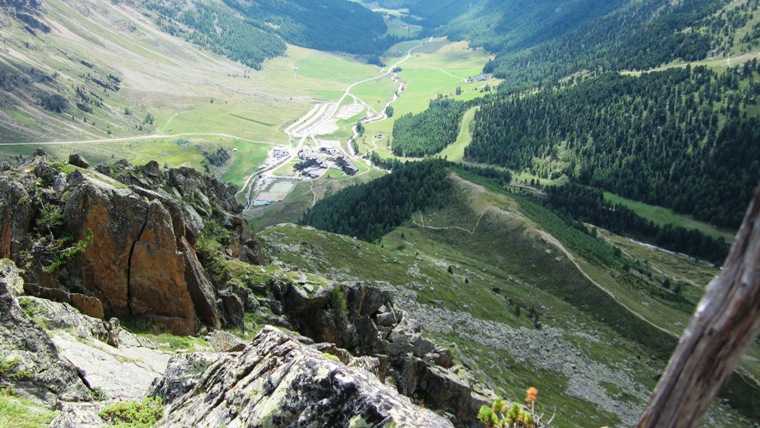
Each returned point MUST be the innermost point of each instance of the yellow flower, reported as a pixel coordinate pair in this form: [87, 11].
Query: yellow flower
[531, 394]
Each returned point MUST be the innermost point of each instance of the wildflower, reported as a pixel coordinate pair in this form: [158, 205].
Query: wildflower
[531, 394]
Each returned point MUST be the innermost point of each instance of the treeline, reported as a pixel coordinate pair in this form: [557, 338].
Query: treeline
[328, 25]
[429, 132]
[254, 32]
[499, 176]
[369, 211]
[429, 13]
[636, 36]
[217, 29]
[385, 163]
[581, 204]
[680, 138]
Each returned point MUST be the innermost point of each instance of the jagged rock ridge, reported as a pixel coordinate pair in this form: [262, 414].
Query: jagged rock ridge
[142, 224]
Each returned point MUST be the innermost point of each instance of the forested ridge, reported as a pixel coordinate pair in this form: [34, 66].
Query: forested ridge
[685, 138]
[369, 211]
[252, 32]
[643, 35]
[429, 132]
[578, 203]
[539, 43]
[218, 29]
[328, 25]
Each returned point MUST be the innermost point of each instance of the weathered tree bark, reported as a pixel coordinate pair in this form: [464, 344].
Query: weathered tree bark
[726, 322]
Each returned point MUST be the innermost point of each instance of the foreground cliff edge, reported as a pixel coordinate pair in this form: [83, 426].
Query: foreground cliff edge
[165, 251]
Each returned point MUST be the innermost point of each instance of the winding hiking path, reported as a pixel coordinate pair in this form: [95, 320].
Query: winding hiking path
[549, 239]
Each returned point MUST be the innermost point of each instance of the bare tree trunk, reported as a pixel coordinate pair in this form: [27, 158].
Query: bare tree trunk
[726, 322]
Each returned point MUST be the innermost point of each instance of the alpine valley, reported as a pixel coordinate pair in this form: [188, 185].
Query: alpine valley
[333, 213]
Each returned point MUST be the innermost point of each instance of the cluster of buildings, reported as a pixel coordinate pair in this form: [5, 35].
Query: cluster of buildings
[314, 164]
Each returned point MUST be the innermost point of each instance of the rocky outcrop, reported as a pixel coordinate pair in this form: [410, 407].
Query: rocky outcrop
[134, 265]
[277, 381]
[112, 361]
[372, 325]
[31, 362]
[141, 225]
[182, 374]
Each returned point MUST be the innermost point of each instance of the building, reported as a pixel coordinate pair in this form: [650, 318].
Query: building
[346, 165]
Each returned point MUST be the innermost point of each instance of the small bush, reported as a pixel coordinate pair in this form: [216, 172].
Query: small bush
[339, 305]
[142, 414]
[8, 370]
[29, 306]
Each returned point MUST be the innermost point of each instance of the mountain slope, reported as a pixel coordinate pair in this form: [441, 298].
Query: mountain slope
[544, 41]
[680, 138]
[83, 70]
[502, 277]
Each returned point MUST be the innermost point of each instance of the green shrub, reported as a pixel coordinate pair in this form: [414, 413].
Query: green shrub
[29, 306]
[7, 370]
[339, 305]
[133, 414]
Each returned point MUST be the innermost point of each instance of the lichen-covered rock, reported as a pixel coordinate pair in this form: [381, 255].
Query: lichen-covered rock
[141, 258]
[279, 382]
[109, 359]
[182, 373]
[223, 341]
[37, 371]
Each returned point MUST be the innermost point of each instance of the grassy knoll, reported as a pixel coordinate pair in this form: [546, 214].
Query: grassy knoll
[375, 92]
[329, 68]
[662, 216]
[230, 117]
[18, 411]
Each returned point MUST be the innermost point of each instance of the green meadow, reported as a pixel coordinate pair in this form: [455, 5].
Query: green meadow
[661, 216]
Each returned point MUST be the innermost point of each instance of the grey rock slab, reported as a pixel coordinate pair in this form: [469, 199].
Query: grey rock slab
[279, 382]
[122, 373]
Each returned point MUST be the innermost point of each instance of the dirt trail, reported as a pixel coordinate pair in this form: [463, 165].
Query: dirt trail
[422, 223]
[478, 191]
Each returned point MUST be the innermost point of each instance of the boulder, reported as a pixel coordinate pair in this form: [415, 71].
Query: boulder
[59, 184]
[79, 415]
[233, 308]
[447, 390]
[182, 374]
[277, 381]
[223, 341]
[78, 160]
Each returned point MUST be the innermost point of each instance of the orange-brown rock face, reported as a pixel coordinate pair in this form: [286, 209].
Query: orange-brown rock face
[157, 283]
[115, 218]
[134, 264]
[141, 224]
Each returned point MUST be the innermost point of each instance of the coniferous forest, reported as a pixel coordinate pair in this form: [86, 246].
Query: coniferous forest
[371, 210]
[577, 203]
[679, 138]
[254, 32]
[429, 132]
